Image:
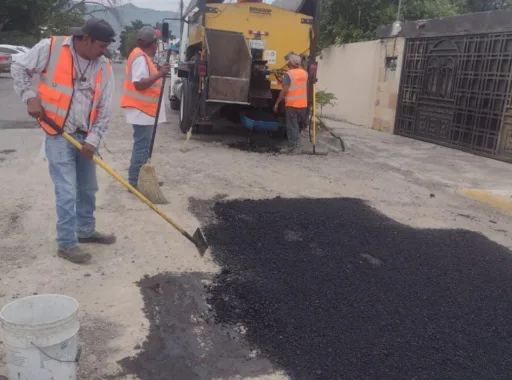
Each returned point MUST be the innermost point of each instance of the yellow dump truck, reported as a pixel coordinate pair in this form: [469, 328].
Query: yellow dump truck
[232, 59]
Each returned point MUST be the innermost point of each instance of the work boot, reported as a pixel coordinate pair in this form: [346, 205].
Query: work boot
[76, 255]
[98, 238]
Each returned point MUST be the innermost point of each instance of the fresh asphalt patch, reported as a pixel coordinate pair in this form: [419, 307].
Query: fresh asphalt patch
[331, 289]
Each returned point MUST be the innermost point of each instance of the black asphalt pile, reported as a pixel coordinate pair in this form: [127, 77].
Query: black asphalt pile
[331, 289]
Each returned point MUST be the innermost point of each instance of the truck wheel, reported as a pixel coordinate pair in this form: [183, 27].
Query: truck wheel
[185, 108]
[175, 104]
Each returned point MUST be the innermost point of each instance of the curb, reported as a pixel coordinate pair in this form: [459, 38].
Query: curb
[497, 199]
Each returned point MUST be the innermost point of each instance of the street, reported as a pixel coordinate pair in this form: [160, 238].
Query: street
[359, 265]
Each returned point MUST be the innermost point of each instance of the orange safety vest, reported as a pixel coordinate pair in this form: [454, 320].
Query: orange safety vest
[146, 100]
[56, 85]
[297, 95]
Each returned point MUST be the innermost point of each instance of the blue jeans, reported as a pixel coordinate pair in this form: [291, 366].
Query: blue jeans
[141, 141]
[74, 177]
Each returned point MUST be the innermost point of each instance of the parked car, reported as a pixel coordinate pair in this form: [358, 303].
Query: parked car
[5, 63]
[13, 50]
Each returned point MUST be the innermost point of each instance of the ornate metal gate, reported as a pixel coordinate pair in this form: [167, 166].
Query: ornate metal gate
[456, 91]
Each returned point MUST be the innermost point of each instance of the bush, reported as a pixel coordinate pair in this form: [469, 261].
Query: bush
[324, 98]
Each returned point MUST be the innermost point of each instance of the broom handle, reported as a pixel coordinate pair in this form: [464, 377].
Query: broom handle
[158, 108]
[314, 118]
[123, 182]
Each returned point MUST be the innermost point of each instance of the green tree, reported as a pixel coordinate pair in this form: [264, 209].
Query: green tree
[128, 39]
[470, 6]
[137, 24]
[324, 98]
[345, 21]
[27, 21]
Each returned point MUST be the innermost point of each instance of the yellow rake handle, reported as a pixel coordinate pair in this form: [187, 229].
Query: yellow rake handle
[122, 181]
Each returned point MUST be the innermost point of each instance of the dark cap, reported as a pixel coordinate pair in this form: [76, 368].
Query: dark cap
[146, 34]
[97, 29]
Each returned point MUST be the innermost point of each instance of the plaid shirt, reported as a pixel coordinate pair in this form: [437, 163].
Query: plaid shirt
[35, 62]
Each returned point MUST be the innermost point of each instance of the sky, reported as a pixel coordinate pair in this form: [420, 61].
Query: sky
[163, 5]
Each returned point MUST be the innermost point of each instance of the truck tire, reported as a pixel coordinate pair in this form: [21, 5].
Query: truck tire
[175, 104]
[185, 107]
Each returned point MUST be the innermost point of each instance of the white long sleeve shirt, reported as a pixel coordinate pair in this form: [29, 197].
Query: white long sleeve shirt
[35, 62]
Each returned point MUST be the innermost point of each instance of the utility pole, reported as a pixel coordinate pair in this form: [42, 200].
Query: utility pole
[313, 52]
[181, 20]
[399, 10]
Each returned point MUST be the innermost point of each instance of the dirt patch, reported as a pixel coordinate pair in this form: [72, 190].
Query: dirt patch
[183, 341]
[6, 152]
[96, 334]
[360, 296]
[11, 222]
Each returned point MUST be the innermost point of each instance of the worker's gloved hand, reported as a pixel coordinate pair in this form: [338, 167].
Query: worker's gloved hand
[164, 70]
[34, 108]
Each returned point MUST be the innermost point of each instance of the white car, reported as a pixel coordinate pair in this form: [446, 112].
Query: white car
[14, 51]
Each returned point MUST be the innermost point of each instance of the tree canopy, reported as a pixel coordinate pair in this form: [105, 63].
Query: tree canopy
[128, 39]
[345, 21]
[24, 22]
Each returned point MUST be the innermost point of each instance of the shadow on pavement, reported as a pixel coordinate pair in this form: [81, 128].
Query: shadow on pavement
[332, 289]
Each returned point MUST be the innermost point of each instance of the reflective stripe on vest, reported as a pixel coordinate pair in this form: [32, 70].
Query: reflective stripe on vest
[56, 85]
[100, 84]
[145, 100]
[297, 95]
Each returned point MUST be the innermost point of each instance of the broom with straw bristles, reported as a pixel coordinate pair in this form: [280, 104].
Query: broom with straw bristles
[148, 182]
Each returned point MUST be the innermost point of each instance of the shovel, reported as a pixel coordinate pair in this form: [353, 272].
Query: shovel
[197, 239]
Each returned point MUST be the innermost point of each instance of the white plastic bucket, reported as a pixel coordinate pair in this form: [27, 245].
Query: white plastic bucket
[40, 337]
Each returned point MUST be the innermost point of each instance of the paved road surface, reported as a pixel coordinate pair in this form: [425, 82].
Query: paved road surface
[146, 295]
[12, 110]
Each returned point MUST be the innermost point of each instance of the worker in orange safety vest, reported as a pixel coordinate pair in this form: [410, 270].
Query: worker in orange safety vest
[75, 92]
[141, 91]
[295, 95]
